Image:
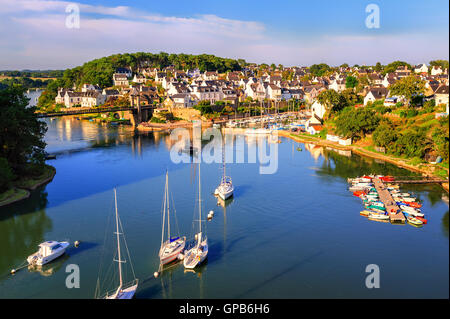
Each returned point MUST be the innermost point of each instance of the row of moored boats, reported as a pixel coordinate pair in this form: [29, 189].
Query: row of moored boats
[363, 187]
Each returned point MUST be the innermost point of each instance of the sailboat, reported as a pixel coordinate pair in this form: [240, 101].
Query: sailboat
[197, 254]
[172, 246]
[225, 188]
[124, 290]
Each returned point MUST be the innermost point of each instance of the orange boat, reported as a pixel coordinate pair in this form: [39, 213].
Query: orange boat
[414, 204]
[387, 178]
[359, 193]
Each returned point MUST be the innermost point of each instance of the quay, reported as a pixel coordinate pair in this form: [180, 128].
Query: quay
[395, 215]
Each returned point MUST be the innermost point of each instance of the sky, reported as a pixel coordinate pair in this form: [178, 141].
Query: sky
[40, 34]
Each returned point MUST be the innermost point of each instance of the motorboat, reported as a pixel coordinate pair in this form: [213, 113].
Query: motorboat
[48, 251]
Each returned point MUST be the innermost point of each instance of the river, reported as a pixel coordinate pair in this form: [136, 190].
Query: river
[293, 234]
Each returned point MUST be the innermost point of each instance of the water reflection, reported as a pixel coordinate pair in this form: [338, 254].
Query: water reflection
[50, 268]
[22, 228]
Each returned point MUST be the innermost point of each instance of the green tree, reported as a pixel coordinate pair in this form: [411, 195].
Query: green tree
[6, 175]
[391, 67]
[441, 63]
[332, 100]
[319, 69]
[351, 82]
[22, 133]
[408, 87]
[411, 143]
[378, 67]
[356, 123]
[384, 136]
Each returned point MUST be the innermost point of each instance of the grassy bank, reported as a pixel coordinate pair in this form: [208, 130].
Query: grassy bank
[436, 170]
[21, 187]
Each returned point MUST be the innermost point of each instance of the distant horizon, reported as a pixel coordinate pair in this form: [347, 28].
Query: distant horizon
[44, 35]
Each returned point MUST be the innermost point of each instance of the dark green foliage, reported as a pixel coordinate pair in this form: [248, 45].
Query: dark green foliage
[384, 136]
[204, 107]
[351, 82]
[356, 123]
[441, 141]
[411, 143]
[319, 69]
[442, 63]
[6, 175]
[25, 82]
[391, 67]
[21, 133]
[35, 73]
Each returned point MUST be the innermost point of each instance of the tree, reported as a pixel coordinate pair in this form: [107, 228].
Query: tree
[351, 82]
[440, 63]
[6, 175]
[384, 136]
[319, 69]
[357, 123]
[411, 143]
[391, 67]
[408, 87]
[378, 67]
[332, 100]
[22, 133]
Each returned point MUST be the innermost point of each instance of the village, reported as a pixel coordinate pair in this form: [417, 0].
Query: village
[168, 88]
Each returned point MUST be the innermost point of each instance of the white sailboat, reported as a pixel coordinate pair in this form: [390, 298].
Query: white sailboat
[225, 189]
[124, 290]
[197, 254]
[172, 246]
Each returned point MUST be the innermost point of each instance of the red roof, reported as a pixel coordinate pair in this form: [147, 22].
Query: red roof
[317, 127]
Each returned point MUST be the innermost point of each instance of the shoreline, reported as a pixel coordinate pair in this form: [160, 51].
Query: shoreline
[361, 152]
[22, 190]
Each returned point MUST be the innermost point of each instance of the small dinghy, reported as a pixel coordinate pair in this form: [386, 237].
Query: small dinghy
[48, 251]
[414, 221]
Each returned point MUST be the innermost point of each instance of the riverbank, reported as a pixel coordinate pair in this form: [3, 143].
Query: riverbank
[23, 186]
[424, 169]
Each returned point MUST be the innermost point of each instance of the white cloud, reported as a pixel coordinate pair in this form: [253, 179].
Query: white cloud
[36, 37]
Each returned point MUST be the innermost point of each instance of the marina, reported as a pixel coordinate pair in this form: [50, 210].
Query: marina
[312, 243]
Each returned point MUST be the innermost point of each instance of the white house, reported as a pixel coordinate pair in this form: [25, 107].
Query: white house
[441, 95]
[421, 68]
[120, 79]
[273, 92]
[337, 85]
[138, 79]
[92, 98]
[318, 109]
[208, 93]
[376, 94]
[183, 100]
[436, 70]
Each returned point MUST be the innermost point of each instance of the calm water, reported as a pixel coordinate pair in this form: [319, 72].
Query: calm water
[293, 234]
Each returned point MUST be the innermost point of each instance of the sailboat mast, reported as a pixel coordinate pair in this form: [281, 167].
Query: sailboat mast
[168, 203]
[199, 203]
[118, 241]
[164, 214]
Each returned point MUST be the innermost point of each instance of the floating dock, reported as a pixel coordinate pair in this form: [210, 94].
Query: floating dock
[395, 214]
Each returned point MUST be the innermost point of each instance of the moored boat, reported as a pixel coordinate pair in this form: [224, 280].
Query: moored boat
[48, 251]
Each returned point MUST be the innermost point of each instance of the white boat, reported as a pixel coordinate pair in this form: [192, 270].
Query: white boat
[225, 189]
[48, 251]
[414, 221]
[197, 254]
[409, 208]
[408, 199]
[124, 290]
[378, 216]
[171, 247]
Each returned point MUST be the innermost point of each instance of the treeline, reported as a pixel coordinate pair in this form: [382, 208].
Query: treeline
[34, 73]
[25, 82]
[22, 138]
[100, 71]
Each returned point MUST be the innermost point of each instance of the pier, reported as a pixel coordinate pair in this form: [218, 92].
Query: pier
[395, 215]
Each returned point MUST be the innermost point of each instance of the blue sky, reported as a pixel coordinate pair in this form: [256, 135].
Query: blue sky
[287, 32]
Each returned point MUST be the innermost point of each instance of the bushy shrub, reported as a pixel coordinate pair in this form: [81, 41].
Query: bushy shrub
[6, 174]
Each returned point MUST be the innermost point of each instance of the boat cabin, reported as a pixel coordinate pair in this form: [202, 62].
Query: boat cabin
[49, 247]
